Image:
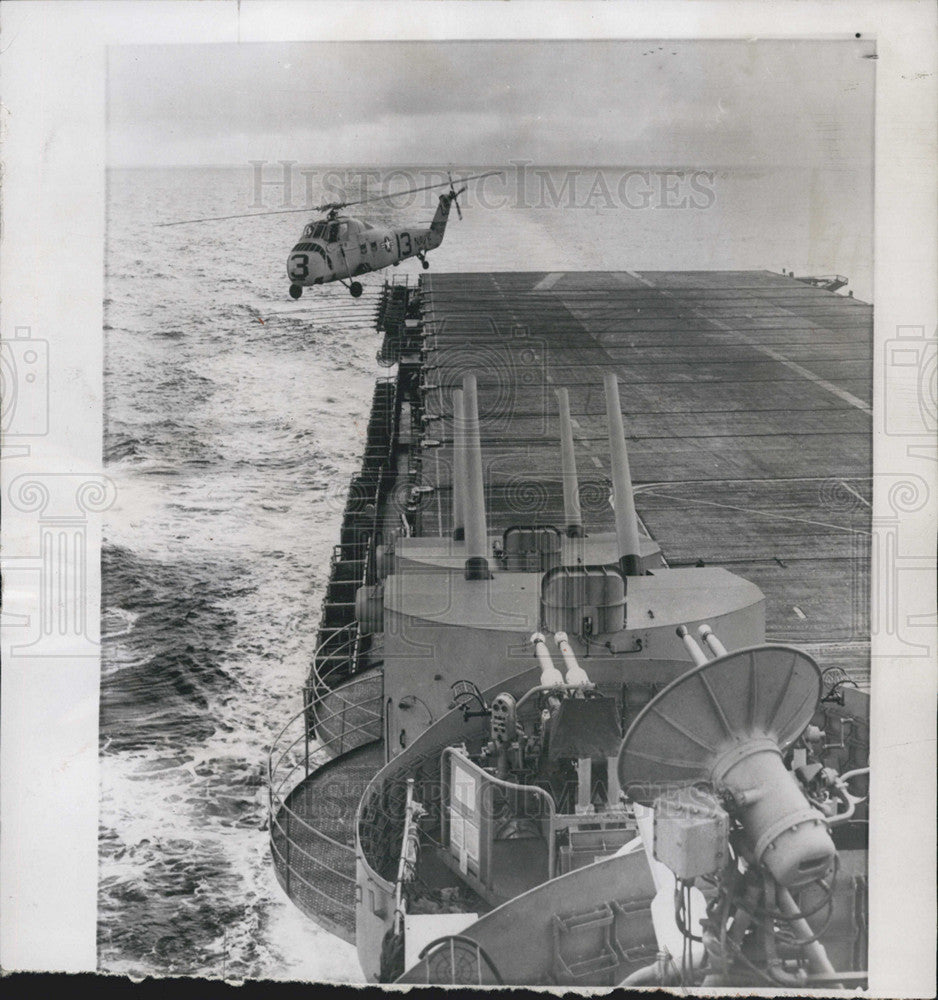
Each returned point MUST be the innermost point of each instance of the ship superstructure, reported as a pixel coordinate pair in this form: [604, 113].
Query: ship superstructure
[577, 489]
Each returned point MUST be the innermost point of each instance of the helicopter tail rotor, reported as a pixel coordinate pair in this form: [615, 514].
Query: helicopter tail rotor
[454, 195]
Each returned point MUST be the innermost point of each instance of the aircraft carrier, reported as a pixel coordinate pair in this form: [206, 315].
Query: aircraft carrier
[745, 400]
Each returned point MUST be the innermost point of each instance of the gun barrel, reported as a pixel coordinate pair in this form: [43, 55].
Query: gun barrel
[571, 487]
[697, 654]
[550, 675]
[576, 675]
[477, 563]
[630, 553]
[716, 647]
[459, 466]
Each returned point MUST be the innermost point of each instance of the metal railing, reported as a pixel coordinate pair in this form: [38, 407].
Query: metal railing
[311, 823]
[337, 655]
[441, 954]
[311, 819]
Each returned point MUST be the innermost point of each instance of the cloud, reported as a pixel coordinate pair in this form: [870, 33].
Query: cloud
[487, 102]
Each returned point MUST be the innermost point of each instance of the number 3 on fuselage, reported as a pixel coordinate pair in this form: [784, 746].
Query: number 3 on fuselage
[299, 266]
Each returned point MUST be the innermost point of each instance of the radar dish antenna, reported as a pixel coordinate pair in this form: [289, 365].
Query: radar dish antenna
[726, 723]
[680, 737]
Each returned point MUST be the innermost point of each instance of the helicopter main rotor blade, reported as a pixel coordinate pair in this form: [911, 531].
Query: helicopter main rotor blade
[250, 215]
[329, 204]
[426, 187]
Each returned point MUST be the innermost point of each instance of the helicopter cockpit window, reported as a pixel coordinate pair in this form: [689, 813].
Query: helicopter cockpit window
[319, 231]
[338, 232]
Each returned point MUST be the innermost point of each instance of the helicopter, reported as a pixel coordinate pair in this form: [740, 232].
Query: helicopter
[340, 248]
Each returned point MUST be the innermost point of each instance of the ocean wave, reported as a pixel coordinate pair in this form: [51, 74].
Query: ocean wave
[172, 657]
[120, 447]
[117, 622]
[226, 432]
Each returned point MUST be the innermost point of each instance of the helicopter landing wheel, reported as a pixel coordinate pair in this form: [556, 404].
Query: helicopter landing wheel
[355, 288]
[296, 291]
[425, 264]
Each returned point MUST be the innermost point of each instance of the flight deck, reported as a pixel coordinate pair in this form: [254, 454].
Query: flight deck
[747, 405]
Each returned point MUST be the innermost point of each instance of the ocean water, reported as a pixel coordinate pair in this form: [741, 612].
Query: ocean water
[234, 419]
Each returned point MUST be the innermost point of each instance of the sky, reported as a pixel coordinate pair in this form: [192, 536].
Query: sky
[596, 103]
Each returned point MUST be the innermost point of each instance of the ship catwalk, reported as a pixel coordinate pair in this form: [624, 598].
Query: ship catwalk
[589, 700]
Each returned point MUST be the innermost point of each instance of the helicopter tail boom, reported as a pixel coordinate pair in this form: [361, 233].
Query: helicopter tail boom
[438, 225]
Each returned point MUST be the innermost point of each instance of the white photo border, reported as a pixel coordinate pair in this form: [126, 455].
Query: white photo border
[53, 131]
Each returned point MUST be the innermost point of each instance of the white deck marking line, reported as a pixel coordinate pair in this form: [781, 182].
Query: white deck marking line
[638, 277]
[835, 390]
[597, 462]
[798, 612]
[760, 513]
[548, 281]
[816, 327]
[707, 482]
[850, 489]
[821, 383]
[847, 397]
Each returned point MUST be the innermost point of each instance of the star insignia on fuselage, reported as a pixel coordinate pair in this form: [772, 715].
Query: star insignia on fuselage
[387, 243]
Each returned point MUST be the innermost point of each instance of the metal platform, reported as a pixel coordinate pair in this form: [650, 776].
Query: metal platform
[747, 403]
[313, 839]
